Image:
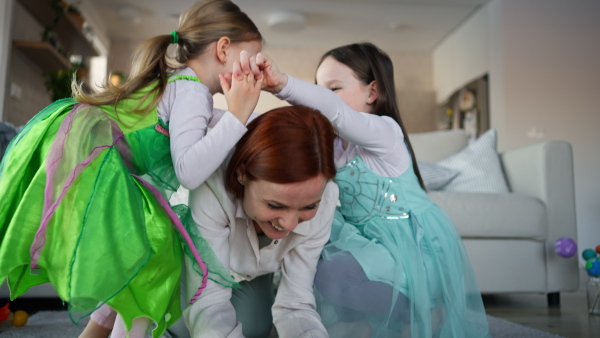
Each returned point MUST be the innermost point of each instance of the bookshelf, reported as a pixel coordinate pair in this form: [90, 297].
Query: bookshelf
[69, 35]
[43, 54]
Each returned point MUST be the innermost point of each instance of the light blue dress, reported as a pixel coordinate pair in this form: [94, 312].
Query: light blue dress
[395, 265]
[417, 280]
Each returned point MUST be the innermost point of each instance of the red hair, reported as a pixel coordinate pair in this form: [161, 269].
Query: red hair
[284, 145]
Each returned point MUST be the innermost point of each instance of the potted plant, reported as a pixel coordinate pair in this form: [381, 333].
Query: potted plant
[75, 15]
[58, 83]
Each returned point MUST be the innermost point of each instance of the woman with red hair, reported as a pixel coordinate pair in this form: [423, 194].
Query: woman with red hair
[269, 208]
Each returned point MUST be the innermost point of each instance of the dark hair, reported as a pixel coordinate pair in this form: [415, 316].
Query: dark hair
[369, 64]
[284, 145]
[200, 25]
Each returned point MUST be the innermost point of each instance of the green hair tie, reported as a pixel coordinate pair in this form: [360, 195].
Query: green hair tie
[175, 37]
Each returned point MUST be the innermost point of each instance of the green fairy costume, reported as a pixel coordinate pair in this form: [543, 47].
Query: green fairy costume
[84, 206]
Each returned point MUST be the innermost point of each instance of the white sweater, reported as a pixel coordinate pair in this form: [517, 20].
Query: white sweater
[230, 233]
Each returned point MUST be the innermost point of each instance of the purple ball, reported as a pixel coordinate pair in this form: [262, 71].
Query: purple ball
[565, 247]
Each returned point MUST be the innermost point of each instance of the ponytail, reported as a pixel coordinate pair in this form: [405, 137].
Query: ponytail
[149, 65]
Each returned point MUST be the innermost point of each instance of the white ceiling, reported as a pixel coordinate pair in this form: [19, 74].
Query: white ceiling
[330, 23]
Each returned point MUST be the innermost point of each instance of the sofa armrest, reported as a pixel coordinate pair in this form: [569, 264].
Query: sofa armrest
[545, 171]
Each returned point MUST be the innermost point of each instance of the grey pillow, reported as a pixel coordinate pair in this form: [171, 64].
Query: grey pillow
[479, 166]
[435, 176]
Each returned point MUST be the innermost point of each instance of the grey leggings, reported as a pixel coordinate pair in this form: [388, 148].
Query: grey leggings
[252, 303]
[341, 281]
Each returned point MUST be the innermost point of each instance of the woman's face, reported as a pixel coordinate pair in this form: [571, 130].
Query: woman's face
[341, 79]
[277, 209]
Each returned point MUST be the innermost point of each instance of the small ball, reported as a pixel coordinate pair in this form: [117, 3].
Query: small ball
[589, 263]
[565, 247]
[20, 318]
[594, 269]
[598, 248]
[588, 254]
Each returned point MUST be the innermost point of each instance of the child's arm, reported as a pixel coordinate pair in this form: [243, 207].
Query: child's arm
[197, 154]
[241, 90]
[377, 134]
[219, 113]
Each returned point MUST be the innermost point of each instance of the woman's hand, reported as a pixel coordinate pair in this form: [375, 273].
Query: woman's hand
[241, 90]
[262, 66]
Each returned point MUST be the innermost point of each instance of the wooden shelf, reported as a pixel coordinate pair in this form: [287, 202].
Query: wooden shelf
[69, 33]
[43, 54]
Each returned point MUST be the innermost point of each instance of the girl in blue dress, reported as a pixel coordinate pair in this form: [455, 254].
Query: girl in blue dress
[395, 265]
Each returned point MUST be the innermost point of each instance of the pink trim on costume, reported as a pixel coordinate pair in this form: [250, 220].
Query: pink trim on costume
[54, 156]
[179, 227]
[162, 130]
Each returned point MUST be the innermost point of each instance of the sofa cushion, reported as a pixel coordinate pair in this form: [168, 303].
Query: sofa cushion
[479, 166]
[486, 215]
[435, 176]
[436, 145]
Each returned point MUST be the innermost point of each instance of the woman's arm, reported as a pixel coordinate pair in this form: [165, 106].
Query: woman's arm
[212, 315]
[294, 311]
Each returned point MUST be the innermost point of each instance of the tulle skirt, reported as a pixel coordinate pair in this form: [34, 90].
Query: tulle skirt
[84, 207]
[407, 277]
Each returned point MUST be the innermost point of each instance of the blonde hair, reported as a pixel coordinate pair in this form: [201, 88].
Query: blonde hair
[200, 25]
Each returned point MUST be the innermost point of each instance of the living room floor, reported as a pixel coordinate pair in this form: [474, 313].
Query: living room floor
[570, 320]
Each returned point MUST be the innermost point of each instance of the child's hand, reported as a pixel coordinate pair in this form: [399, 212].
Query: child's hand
[263, 66]
[241, 93]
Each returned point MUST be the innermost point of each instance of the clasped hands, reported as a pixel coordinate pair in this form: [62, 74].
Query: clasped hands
[242, 86]
[259, 67]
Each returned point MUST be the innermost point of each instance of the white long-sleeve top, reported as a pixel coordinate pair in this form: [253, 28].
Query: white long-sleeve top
[187, 106]
[377, 139]
[231, 234]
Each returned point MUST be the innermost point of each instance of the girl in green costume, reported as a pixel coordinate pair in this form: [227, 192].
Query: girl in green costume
[85, 184]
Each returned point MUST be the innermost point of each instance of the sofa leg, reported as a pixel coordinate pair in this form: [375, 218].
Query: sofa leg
[553, 299]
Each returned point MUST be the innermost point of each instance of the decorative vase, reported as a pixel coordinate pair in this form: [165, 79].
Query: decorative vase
[593, 295]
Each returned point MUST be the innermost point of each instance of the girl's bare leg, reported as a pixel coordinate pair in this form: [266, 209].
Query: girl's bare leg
[138, 328]
[95, 330]
[101, 323]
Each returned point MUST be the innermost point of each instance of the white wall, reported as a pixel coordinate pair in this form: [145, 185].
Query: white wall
[23, 72]
[461, 57]
[552, 67]
[544, 62]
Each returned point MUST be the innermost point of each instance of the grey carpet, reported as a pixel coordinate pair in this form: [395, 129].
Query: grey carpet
[56, 324]
[47, 324]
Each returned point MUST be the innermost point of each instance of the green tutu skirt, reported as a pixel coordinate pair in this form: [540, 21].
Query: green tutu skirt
[84, 207]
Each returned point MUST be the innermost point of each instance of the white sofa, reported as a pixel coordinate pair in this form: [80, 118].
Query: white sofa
[510, 237]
